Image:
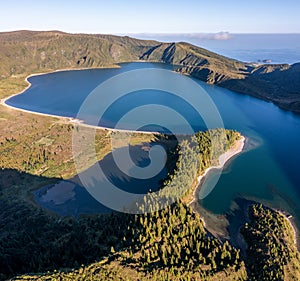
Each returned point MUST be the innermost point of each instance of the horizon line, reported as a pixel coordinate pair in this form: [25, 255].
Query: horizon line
[149, 33]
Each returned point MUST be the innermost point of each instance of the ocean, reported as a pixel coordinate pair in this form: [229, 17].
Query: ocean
[273, 48]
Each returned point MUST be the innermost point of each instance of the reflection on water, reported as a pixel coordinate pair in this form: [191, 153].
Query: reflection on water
[274, 162]
[59, 193]
[69, 197]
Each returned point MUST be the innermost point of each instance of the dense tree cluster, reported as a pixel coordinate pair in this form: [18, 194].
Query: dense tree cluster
[175, 237]
[194, 155]
[32, 240]
[169, 244]
[270, 244]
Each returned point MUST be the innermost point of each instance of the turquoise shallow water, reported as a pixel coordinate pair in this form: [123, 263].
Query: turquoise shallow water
[267, 170]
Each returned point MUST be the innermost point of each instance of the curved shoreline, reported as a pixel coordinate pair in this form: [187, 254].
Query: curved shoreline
[71, 120]
[223, 159]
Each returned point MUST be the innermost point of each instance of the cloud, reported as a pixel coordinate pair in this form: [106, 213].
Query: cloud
[212, 36]
[223, 35]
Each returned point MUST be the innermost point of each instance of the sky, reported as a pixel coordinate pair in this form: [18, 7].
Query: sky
[155, 16]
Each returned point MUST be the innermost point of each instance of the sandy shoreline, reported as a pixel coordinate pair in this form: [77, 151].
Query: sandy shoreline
[71, 120]
[223, 159]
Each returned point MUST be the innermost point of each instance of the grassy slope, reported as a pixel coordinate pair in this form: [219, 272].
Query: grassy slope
[41, 145]
[210, 67]
[30, 52]
[115, 271]
[23, 53]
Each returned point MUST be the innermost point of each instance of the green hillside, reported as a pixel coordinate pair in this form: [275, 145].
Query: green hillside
[172, 244]
[26, 52]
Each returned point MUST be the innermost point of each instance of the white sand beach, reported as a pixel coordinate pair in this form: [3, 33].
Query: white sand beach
[223, 159]
[74, 121]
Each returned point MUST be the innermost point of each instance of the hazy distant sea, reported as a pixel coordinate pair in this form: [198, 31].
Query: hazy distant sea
[279, 48]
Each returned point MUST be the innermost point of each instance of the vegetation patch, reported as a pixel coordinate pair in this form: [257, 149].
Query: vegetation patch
[272, 252]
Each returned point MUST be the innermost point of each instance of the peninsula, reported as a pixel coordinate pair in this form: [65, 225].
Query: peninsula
[173, 243]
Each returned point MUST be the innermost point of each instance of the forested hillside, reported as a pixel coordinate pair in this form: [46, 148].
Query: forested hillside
[171, 244]
[33, 240]
[168, 244]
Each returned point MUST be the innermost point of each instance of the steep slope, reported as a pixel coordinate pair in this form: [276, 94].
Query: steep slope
[28, 51]
[205, 65]
[279, 84]
[25, 52]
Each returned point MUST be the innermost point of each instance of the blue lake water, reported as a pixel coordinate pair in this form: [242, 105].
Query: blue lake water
[69, 197]
[267, 171]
